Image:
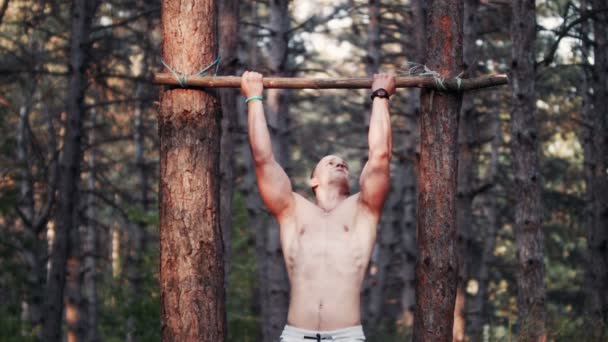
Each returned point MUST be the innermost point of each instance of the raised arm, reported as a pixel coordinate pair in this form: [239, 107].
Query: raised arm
[273, 183]
[375, 178]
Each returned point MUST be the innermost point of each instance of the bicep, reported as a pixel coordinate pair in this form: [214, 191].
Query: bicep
[375, 184]
[275, 187]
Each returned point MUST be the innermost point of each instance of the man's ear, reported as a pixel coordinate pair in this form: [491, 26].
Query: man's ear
[313, 182]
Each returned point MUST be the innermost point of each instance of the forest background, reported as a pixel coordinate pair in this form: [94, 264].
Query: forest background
[112, 286]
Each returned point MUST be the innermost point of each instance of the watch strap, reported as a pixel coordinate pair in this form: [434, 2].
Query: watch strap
[380, 92]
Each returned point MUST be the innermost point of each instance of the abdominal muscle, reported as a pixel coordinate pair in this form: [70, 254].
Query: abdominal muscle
[324, 304]
[326, 263]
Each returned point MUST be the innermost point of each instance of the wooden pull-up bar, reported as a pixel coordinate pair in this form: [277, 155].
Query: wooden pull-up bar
[338, 82]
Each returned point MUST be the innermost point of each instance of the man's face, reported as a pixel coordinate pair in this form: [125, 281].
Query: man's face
[330, 170]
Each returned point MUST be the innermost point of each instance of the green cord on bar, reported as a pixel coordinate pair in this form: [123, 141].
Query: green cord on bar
[459, 79]
[254, 98]
[182, 79]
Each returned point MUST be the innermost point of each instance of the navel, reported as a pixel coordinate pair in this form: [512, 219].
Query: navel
[345, 228]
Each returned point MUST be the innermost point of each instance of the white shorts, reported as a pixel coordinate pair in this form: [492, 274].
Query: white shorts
[350, 334]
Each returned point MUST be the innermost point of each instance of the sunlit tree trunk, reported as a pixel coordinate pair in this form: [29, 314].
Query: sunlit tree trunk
[524, 145]
[437, 264]
[70, 162]
[191, 255]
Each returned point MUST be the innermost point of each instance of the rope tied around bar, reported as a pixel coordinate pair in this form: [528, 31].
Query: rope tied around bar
[417, 69]
[182, 79]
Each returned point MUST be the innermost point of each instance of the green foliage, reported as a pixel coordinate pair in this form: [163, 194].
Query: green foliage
[243, 322]
[115, 306]
[11, 326]
[137, 215]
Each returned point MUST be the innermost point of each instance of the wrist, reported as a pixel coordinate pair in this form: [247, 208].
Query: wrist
[380, 93]
[254, 98]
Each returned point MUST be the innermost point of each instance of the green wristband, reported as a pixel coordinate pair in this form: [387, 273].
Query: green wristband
[254, 98]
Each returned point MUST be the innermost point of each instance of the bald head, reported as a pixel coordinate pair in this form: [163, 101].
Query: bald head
[331, 170]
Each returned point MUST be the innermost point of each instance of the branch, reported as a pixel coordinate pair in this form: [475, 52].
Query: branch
[45, 212]
[120, 101]
[127, 20]
[23, 217]
[564, 32]
[314, 20]
[337, 83]
[482, 188]
[3, 7]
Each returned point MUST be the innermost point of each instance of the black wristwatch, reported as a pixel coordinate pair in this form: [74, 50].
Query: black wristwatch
[382, 93]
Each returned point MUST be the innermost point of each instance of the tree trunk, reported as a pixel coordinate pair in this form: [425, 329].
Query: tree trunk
[90, 243]
[228, 30]
[191, 255]
[137, 230]
[419, 10]
[33, 253]
[67, 203]
[478, 309]
[437, 265]
[595, 147]
[466, 170]
[73, 290]
[524, 145]
[275, 292]
[372, 63]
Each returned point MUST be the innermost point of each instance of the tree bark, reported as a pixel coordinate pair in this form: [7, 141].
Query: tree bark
[466, 170]
[228, 30]
[437, 265]
[524, 145]
[191, 255]
[595, 147]
[67, 203]
[275, 291]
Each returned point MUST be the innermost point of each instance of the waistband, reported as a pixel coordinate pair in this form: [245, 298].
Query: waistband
[328, 335]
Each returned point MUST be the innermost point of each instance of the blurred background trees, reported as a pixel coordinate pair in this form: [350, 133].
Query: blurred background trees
[94, 104]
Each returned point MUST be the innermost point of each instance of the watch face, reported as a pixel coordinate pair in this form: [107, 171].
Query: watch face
[380, 93]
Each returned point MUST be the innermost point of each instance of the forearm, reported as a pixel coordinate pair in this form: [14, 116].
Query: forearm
[380, 136]
[259, 137]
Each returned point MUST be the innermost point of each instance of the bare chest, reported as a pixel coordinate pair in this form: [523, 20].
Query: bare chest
[326, 243]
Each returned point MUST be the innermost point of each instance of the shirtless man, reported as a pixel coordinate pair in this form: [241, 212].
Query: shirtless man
[327, 245]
